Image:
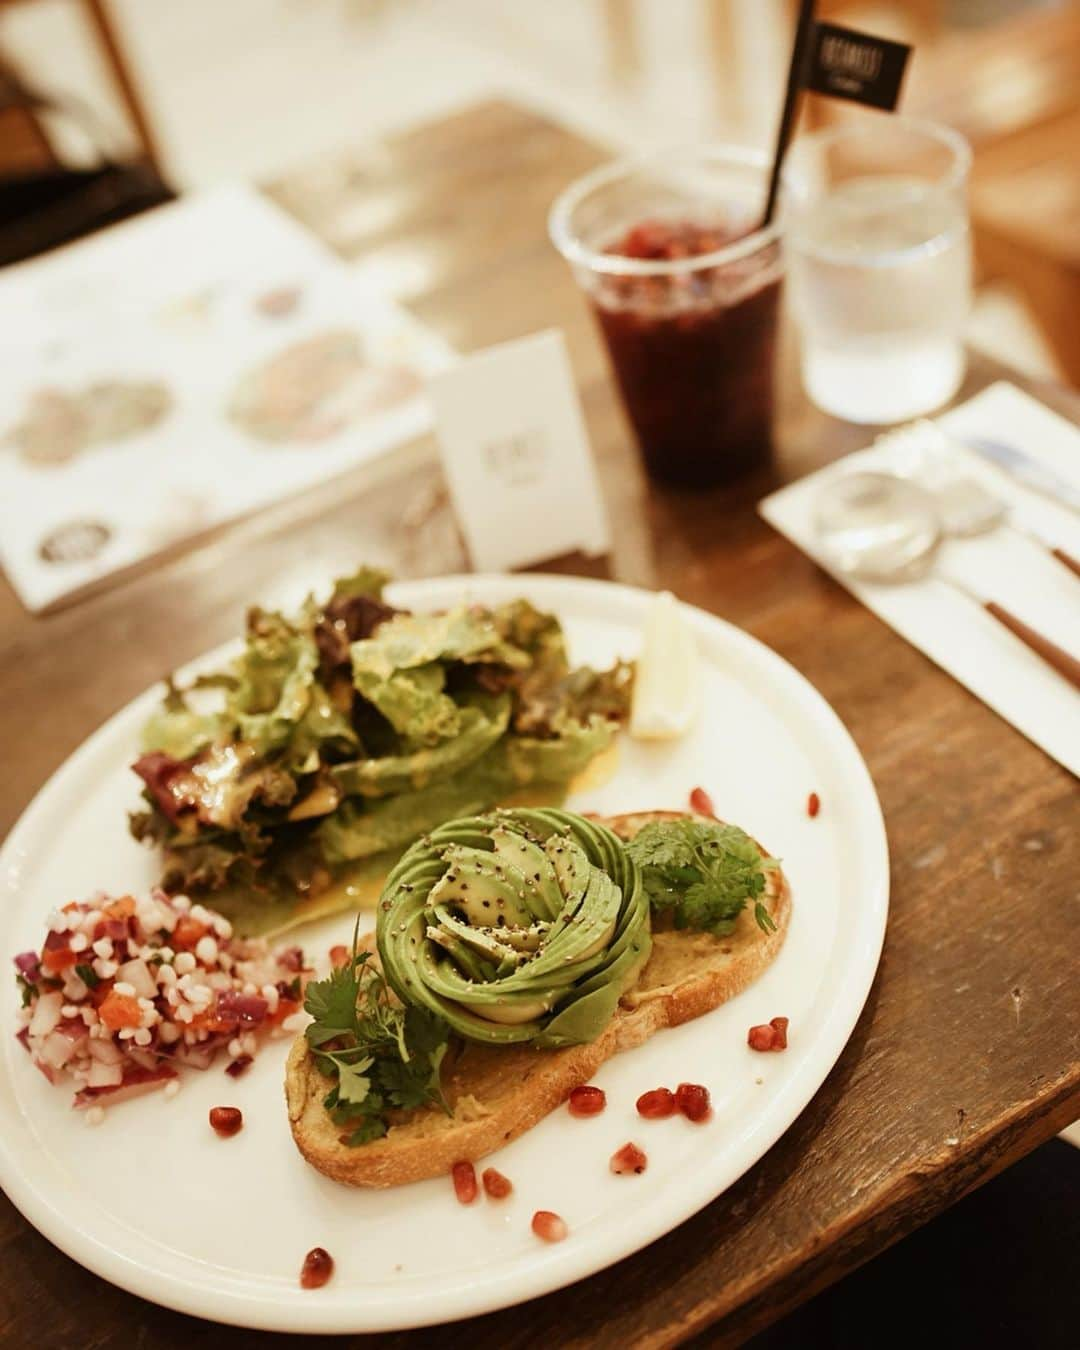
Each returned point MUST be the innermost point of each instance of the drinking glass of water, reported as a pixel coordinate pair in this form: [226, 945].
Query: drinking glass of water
[879, 265]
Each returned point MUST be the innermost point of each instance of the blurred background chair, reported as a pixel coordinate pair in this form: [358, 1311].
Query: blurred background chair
[46, 201]
[22, 143]
[24, 146]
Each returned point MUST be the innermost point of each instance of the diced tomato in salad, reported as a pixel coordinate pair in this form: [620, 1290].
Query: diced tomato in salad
[188, 931]
[120, 1010]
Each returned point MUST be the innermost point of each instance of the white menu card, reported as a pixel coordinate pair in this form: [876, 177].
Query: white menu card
[516, 455]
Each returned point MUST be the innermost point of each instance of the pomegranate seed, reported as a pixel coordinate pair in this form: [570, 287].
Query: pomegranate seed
[464, 1174]
[761, 1037]
[587, 1101]
[238, 1065]
[693, 1101]
[549, 1226]
[813, 805]
[656, 1104]
[317, 1268]
[629, 1158]
[339, 956]
[496, 1185]
[226, 1120]
[701, 802]
[771, 1036]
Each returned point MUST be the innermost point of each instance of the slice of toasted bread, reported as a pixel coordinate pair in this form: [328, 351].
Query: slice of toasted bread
[497, 1093]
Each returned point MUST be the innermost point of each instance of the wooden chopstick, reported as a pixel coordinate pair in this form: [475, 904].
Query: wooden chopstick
[1061, 660]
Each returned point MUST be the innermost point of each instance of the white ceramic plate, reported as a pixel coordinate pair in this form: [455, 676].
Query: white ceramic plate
[153, 1201]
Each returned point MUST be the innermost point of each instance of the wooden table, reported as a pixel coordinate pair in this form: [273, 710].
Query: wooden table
[966, 1055]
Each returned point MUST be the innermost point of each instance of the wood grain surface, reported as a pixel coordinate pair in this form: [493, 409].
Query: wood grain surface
[966, 1055]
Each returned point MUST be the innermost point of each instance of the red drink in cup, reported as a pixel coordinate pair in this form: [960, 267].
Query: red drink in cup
[686, 292]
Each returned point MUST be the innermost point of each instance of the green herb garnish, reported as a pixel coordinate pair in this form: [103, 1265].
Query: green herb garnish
[704, 873]
[89, 976]
[380, 1056]
[26, 989]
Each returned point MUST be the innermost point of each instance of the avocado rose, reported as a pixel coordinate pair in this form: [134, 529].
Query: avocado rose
[521, 925]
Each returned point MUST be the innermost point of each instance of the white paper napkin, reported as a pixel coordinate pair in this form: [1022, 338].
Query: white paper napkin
[1002, 565]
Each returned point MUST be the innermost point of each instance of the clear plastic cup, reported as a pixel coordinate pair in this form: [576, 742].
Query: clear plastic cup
[879, 265]
[691, 333]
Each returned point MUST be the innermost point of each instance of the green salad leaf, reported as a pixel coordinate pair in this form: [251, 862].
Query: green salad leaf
[274, 677]
[402, 668]
[482, 720]
[465, 633]
[366, 582]
[702, 873]
[345, 730]
[412, 700]
[178, 730]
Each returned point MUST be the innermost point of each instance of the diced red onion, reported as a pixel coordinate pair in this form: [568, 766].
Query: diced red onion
[50, 1074]
[55, 1050]
[136, 1082]
[46, 1013]
[105, 1075]
[291, 958]
[104, 1050]
[28, 965]
[193, 1056]
[251, 1008]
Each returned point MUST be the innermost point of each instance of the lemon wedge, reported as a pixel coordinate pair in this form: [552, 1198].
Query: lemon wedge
[667, 690]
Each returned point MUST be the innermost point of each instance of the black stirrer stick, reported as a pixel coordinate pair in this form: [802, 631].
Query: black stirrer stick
[791, 102]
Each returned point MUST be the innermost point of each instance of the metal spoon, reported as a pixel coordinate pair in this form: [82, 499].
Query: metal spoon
[882, 528]
[966, 506]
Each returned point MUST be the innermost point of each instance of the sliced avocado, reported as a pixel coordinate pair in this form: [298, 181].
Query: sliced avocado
[570, 865]
[573, 937]
[465, 955]
[485, 889]
[534, 866]
[525, 939]
[484, 941]
[591, 928]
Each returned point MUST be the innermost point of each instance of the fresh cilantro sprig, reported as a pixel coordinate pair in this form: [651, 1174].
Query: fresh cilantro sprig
[703, 872]
[381, 1056]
